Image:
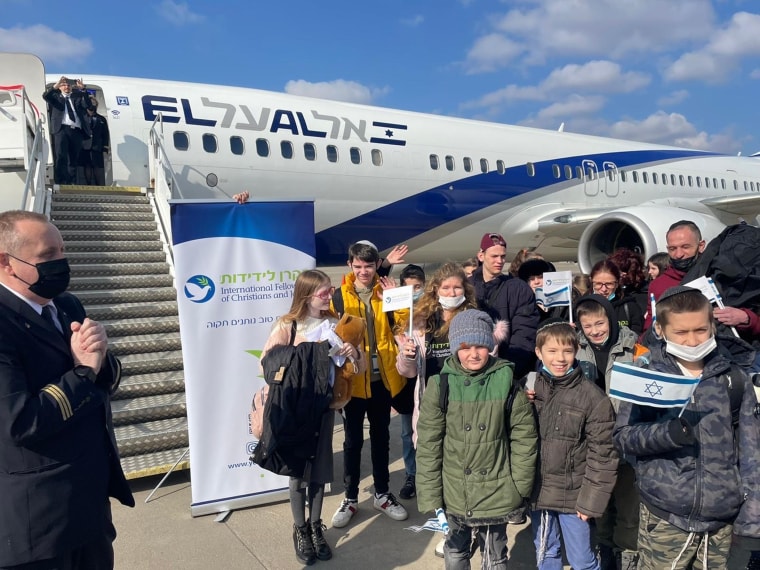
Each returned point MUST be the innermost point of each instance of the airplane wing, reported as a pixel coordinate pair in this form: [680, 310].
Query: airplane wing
[748, 206]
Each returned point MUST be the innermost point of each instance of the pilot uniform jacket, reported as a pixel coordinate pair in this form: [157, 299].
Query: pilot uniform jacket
[58, 457]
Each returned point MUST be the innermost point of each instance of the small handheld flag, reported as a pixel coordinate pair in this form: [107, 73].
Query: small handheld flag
[651, 388]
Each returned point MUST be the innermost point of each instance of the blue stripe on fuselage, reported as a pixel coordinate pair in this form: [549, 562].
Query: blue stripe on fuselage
[404, 219]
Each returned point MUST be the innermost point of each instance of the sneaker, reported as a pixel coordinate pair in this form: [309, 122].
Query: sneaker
[387, 503]
[346, 510]
[321, 548]
[302, 544]
[517, 516]
[409, 490]
[439, 548]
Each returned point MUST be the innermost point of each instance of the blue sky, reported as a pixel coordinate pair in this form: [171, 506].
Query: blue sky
[681, 72]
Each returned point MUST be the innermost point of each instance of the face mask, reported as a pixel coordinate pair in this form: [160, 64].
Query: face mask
[611, 296]
[451, 302]
[684, 264]
[417, 295]
[53, 277]
[550, 375]
[691, 353]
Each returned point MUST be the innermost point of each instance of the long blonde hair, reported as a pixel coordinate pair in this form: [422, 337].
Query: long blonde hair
[307, 283]
[427, 309]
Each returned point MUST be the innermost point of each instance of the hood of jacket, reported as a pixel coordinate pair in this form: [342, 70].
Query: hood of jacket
[609, 310]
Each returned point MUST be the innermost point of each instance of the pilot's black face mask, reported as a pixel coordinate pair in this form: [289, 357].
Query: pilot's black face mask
[52, 277]
[684, 264]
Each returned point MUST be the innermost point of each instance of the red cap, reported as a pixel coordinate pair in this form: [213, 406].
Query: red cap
[490, 240]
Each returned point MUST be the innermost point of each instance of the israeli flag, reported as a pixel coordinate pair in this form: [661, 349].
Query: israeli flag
[707, 286]
[650, 388]
[557, 288]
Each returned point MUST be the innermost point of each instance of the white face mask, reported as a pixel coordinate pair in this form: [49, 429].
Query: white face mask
[691, 353]
[451, 302]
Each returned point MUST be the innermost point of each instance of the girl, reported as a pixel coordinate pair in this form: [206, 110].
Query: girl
[606, 281]
[311, 306]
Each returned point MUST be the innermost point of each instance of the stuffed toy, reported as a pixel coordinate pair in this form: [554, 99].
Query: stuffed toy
[350, 329]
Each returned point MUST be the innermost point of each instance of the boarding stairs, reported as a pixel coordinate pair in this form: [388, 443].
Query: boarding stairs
[119, 271]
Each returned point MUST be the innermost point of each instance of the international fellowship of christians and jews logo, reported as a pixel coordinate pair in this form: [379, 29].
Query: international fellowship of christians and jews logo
[199, 289]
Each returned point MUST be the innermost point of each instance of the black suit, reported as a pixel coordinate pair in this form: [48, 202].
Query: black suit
[67, 141]
[58, 458]
[91, 169]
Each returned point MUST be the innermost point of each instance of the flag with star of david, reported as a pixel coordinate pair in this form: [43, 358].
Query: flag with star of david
[649, 387]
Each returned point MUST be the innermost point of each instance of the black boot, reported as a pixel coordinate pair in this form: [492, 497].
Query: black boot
[321, 548]
[606, 557]
[302, 544]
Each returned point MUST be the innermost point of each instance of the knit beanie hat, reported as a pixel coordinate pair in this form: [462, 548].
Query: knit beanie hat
[473, 328]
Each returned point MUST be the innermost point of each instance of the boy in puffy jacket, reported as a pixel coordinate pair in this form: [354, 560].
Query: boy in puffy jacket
[696, 468]
[476, 453]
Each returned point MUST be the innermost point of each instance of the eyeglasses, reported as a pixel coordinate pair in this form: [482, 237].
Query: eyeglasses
[606, 285]
[325, 295]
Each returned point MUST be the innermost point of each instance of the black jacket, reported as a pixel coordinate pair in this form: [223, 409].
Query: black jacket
[58, 457]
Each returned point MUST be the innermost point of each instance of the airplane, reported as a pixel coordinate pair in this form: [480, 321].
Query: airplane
[436, 183]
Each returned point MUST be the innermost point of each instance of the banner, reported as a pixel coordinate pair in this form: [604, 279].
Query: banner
[235, 269]
[651, 388]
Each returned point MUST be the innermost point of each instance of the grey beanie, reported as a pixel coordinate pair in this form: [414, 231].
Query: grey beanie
[473, 328]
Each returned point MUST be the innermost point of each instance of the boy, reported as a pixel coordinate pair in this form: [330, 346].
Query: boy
[404, 403]
[696, 465]
[360, 295]
[476, 445]
[578, 463]
[603, 342]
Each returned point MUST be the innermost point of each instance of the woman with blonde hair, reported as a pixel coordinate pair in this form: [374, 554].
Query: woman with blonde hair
[308, 311]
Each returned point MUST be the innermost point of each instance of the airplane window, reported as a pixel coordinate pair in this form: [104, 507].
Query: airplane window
[680, 179]
[377, 157]
[736, 185]
[309, 151]
[645, 177]
[531, 169]
[707, 182]
[691, 181]
[568, 172]
[501, 167]
[745, 186]
[635, 176]
[356, 155]
[579, 172]
[555, 170]
[611, 174]
[723, 183]
[622, 176]
[591, 173]
[665, 179]
[483, 165]
[467, 161]
[699, 182]
[434, 161]
[209, 143]
[654, 178]
[332, 153]
[181, 142]
[286, 149]
[715, 182]
[673, 179]
[262, 147]
[449, 163]
[237, 146]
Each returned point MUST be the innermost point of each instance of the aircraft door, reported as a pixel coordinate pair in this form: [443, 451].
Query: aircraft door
[591, 181]
[611, 179]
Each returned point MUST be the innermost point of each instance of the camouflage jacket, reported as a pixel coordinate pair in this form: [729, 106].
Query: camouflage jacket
[714, 481]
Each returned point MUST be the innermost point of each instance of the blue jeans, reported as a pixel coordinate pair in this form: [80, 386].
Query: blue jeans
[407, 445]
[576, 535]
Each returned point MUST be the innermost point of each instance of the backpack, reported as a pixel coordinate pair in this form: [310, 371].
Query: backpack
[258, 403]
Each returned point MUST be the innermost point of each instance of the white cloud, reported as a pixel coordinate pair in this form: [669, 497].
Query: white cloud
[604, 76]
[755, 73]
[673, 98]
[574, 105]
[337, 90]
[413, 21]
[51, 46]
[178, 13]
[714, 62]
[491, 52]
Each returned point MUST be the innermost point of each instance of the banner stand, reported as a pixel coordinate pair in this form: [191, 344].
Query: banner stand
[161, 482]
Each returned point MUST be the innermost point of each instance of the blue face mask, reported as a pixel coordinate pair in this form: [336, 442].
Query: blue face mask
[416, 295]
[611, 296]
[546, 371]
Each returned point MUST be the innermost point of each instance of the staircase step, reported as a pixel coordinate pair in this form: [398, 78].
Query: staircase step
[106, 217]
[114, 315]
[113, 296]
[99, 245]
[82, 270]
[105, 225]
[127, 327]
[120, 282]
[146, 364]
[136, 385]
[148, 408]
[68, 198]
[136, 257]
[147, 344]
[152, 436]
[74, 235]
[99, 190]
[149, 464]
[64, 208]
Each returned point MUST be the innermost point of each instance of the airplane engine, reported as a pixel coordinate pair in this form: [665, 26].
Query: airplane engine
[640, 228]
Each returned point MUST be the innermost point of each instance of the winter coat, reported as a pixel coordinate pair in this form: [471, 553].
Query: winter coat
[628, 313]
[473, 461]
[697, 484]
[577, 462]
[511, 299]
[664, 281]
[386, 343]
